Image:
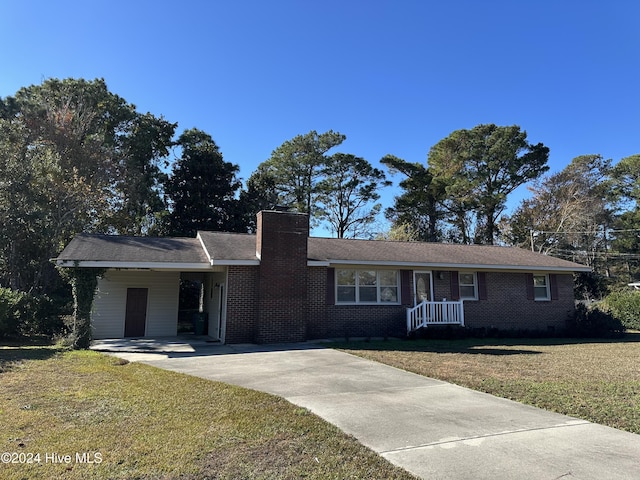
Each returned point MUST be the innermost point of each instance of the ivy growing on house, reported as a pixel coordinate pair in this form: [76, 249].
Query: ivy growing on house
[84, 282]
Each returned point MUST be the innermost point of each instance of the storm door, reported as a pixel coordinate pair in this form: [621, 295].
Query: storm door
[422, 287]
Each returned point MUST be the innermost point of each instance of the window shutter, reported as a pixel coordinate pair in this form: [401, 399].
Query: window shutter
[553, 280]
[405, 286]
[455, 285]
[331, 286]
[528, 277]
[482, 285]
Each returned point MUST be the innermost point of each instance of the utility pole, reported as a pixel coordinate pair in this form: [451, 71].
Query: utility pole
[531, 238]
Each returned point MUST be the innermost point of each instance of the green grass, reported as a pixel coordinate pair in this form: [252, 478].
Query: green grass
[148, 423]
[597, 381]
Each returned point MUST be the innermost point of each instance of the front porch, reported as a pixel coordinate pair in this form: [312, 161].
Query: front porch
[435, 313]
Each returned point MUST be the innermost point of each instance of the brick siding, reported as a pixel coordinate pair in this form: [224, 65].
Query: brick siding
[507, 306]
[242, 305]
[282, 285]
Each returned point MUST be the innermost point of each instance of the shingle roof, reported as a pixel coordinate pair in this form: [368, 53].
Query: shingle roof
[234, 247]
[432, 254]
[117, 248]
[229, 246]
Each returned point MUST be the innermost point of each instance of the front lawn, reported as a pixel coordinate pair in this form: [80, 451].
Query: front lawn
[61, 410]
[597, 381]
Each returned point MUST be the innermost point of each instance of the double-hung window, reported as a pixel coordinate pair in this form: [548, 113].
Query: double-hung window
[367, 286]
[468, 284]
[541, 290]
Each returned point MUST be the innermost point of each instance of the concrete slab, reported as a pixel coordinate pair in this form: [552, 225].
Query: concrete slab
[580, 451]
[308, 372]
[435, 415]
[431, 428]
[163, 345]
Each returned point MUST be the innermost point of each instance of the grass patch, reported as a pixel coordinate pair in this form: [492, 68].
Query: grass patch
[597, 381]
[147, 423]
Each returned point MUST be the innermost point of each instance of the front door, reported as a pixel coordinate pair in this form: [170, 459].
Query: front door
[423, 287]
[136, 314]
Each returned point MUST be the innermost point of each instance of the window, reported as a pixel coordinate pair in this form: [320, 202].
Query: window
[367, 286]
[468, 286]
[346, 285]
[541, 287]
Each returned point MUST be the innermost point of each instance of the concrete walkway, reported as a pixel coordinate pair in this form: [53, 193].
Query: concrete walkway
[431, 428]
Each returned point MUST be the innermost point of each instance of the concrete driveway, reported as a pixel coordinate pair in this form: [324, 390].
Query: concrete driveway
[431, 428]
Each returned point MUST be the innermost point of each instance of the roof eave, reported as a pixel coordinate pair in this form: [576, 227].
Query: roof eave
[463, 266]
[132, 265]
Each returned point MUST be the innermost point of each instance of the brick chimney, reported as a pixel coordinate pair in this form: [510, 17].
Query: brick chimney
[281, 246]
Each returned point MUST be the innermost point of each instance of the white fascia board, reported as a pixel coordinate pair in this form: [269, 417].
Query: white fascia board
[235, 262]
[461, 266]
[133, 265]
[318, 263]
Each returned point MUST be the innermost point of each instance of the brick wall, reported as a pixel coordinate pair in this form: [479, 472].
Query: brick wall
[282, 286]
[317, 326]
[328, 320]
[507, 306]
[242, 304]
[365, 321]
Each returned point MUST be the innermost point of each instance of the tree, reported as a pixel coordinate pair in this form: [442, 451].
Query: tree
[569, 214]
[480, 168]
[419, 209]
[74, 157]
[296, 167]
[138, 205]
[260, 193]
[42, 206]
[349, 185]
[399, 232]
[624, 186]
[202, 188]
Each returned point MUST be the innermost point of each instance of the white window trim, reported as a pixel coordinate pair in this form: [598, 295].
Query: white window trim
[357, 301]
[547, 285]
[475, 286]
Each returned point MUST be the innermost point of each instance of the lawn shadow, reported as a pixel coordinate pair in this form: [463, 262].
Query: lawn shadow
[477, 346]
[14, 351]
[436, 346]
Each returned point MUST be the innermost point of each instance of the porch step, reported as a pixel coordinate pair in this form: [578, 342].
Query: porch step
[435, 313]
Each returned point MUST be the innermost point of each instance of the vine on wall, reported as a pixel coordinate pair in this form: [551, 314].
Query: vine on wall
[84, 282]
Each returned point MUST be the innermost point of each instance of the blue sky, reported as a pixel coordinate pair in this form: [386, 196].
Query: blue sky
[393, 76]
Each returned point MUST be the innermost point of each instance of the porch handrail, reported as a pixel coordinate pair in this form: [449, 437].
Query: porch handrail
[435, 313]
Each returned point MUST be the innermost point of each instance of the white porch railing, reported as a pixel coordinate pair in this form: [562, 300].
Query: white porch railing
[435, 313]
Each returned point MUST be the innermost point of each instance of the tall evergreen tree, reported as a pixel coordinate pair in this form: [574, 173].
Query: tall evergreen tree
[296, 167]
[348, 189]
[480, 168]
[202, 188]
[419, 208]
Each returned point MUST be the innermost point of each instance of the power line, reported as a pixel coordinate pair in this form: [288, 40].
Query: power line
[587, 231]
[576, 253]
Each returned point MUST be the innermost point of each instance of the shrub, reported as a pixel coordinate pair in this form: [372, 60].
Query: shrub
[10, 311]
[42, 315]
[25, 314]
[594, 322]
[590, 286]
[625, 306]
